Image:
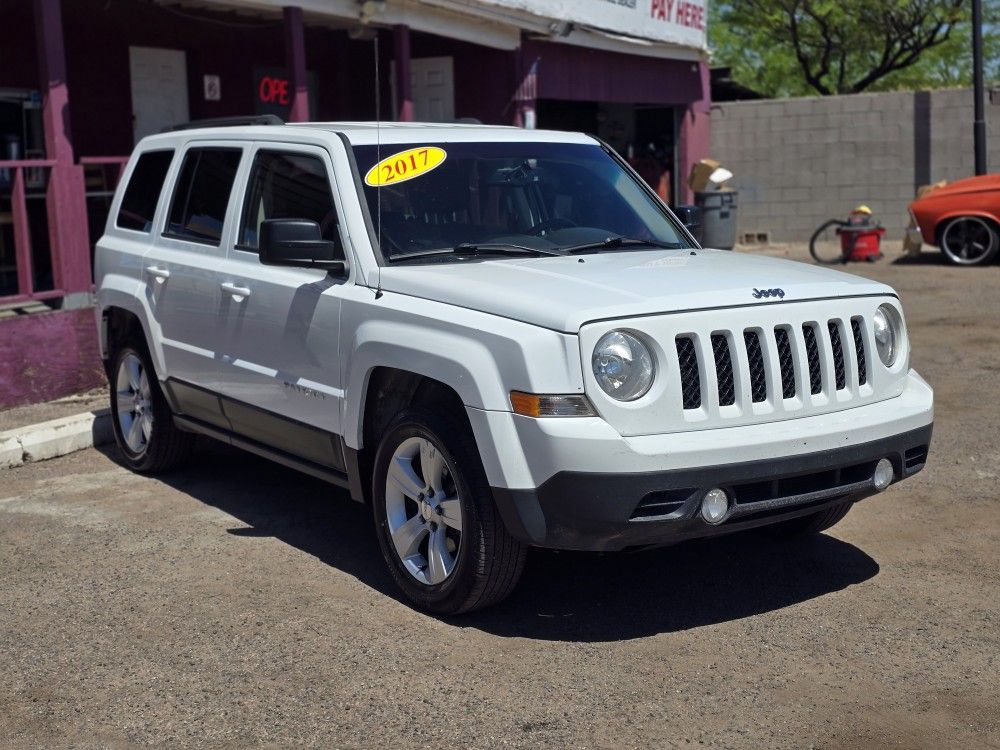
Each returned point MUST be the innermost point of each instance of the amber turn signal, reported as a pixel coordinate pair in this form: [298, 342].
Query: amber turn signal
[535, 405]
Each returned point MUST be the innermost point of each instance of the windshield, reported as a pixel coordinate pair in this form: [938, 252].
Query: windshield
[544, 196]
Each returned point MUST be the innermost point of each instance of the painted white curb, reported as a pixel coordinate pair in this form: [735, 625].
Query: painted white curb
[55, 438]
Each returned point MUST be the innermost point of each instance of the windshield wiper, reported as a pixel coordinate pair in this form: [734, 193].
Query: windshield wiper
[475, 248]
[611, 242]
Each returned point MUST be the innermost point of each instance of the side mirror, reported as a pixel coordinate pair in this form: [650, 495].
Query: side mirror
[298, 243]
[690, 217]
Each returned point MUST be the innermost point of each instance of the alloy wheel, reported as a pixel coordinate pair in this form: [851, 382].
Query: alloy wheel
[134, 403]
[423, 510]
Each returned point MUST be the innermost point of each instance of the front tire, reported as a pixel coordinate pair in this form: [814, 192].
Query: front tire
[438, 528]
[143, 424]
[970, 241]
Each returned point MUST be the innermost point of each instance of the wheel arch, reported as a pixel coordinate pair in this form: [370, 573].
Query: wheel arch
[389, 390]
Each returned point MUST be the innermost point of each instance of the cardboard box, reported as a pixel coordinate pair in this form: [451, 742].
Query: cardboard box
[700, 172]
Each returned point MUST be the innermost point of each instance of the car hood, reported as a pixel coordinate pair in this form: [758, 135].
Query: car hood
[565, 293]
[965, 186]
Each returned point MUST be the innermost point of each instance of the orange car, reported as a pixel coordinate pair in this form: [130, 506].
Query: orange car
[962, 218]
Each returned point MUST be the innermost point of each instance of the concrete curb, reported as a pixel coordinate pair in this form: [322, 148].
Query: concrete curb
[58, 437]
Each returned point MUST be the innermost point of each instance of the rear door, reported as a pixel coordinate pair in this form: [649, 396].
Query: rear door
[183, 274]
[283, 324]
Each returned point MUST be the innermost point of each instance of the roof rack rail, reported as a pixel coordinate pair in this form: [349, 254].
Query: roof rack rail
[226, 122]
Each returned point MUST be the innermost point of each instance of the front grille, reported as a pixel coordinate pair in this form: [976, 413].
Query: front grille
[786, 362]
[812, 353]
[745, 366]
[859, 349]
[724, 370]
[687, 358]
[838, 355]
[755, 358]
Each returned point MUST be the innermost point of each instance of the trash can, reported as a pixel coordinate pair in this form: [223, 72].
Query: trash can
[718, 218]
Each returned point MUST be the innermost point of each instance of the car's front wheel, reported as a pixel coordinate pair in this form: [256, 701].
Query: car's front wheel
[970, 241]
[438, 528]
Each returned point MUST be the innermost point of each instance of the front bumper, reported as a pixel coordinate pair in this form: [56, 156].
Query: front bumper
[607, 511]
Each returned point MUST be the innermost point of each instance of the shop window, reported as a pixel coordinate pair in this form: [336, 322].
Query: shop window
[143, 191]
[287, 186]
[201, 196]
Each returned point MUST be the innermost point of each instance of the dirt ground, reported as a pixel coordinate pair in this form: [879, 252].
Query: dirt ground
[237, 604]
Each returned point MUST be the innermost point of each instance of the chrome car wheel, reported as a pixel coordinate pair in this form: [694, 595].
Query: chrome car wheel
[423, 510]
[134, 403]
[969, 240]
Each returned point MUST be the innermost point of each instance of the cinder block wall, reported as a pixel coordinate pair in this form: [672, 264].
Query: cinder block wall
[800, 161]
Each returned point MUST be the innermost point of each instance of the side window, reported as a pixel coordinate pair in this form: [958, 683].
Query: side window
[201, 196]
[287, 186]
[143, 191]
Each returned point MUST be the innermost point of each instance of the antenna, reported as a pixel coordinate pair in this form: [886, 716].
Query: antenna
[378, 160]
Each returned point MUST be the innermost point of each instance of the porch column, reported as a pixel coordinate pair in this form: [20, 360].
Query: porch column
[65, 200]
[295, 61]
[694, 141]
[401, 66]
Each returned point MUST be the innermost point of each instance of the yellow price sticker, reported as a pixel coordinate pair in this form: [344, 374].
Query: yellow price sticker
[405, 165]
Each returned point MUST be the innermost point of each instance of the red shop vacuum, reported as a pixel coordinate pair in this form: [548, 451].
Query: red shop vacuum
[860, 239]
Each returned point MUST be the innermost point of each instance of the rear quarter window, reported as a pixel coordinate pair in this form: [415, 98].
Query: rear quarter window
[143, 191]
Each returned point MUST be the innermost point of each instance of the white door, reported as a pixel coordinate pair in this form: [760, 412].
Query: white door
[159, 89]
[433, 83]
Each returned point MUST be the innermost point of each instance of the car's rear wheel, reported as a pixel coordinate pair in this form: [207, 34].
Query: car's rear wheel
[970, 241]
[143, 425]
[811, 524]
[438, 528]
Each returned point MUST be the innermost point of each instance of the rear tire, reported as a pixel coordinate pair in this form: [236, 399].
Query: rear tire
[970, 241]
[437, 525]
[143, 424]
[811, 524]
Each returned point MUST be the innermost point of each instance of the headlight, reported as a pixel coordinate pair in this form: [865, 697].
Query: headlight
[888, 329]
[623, 366]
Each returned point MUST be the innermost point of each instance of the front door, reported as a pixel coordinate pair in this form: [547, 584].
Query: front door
[283, 386]
[159, 89]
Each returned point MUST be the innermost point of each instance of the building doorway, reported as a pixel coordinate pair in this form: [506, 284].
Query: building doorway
[433, 88]
[159, 89]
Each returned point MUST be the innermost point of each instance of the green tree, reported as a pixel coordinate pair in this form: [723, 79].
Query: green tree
[799, 47]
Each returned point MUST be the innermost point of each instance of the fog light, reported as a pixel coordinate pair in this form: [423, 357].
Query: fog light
[883, 475]
[714, 505]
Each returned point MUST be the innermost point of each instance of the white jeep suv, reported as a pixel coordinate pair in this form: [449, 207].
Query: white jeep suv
[496, 338]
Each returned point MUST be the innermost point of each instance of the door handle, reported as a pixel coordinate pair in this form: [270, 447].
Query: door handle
[239, 292]
[160, 274]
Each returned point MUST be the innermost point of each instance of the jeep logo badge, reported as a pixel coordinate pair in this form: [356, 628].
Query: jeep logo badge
[766, 293]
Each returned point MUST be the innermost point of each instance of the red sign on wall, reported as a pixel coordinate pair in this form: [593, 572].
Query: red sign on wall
[273, 92]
